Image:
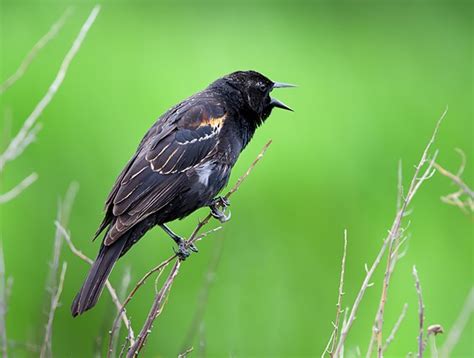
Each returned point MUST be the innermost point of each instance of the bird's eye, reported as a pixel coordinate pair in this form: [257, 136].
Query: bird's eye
[261, 86]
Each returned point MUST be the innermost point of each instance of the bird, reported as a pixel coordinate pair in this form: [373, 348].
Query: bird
[181, 164]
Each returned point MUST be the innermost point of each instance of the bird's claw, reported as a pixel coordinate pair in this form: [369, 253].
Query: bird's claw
[183, 252]
[220, 214]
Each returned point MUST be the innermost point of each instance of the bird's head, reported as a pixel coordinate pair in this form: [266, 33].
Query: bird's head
[255, 89]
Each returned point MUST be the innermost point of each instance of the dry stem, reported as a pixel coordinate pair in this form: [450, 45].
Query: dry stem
[456, 197]
[389, 242]
[110, 288]
[395, 328]
[160, 297]
[18, 189]
[46, 347]
[24, 136]
[43, 41]
[421, 313]
[333, 339]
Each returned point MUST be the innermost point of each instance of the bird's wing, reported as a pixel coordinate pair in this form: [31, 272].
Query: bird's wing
[181, 140]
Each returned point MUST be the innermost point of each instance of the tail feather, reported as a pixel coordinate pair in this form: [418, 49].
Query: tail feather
[98, 274]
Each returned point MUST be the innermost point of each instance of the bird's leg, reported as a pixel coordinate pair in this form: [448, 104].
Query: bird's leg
[182, 251]
[220, 215]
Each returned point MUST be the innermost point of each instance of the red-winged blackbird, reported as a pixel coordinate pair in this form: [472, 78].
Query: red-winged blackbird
[181, 164]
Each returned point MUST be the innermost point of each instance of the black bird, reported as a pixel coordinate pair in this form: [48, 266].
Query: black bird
[181, 165]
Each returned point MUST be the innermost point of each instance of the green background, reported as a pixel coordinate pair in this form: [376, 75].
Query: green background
[373, 78]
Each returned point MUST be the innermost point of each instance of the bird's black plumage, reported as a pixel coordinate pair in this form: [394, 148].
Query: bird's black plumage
[181, 164]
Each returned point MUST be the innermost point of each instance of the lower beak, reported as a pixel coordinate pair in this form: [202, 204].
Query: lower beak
[276, 103]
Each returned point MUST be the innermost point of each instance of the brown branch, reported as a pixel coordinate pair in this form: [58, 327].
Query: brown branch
[43, 41]
[160, 297]
[110, 288]
[395, 328]
[456, 330]
[421, 314]
[46, 347]
[390, 243]
[333, 339]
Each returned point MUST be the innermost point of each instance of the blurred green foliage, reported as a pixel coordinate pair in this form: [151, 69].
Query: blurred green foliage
[373, 78]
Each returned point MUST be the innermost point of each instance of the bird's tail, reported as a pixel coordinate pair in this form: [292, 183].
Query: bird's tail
[95, 281]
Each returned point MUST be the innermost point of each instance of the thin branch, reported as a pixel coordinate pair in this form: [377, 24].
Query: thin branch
[395, 328]
[457, 198]
[389, 242]
[457, 329]
[16, 146]
[456, 180]
[110, 288]
[53, 31]
[185, 352]
[421, 314]
[155, 311]
[333, 339]
[160, 297]
[18, 189]
[46, 347]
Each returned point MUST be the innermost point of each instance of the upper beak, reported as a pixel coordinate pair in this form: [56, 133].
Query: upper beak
[282, 85]
[276, 103]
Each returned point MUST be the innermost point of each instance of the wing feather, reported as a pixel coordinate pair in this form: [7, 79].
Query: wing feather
[182, 139]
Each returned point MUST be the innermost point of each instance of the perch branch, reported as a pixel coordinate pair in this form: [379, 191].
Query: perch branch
[160, 298]
[43, 41]
[393, 233]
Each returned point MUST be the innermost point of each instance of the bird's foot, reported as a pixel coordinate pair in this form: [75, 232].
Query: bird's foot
[183, 250]
[216, 212]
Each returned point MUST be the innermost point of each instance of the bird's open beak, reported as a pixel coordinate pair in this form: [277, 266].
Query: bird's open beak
[276, 103]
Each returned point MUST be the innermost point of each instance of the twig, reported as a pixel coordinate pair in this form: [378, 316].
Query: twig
[458, 327]
[393, 233]
[456, 197]
[185, 353]
[18, 189]
[160, 297]
[16, 146]
[395, 328]
[421, 313]
[333, 339]
[46, 347]
[53, 31]
[110, 288]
